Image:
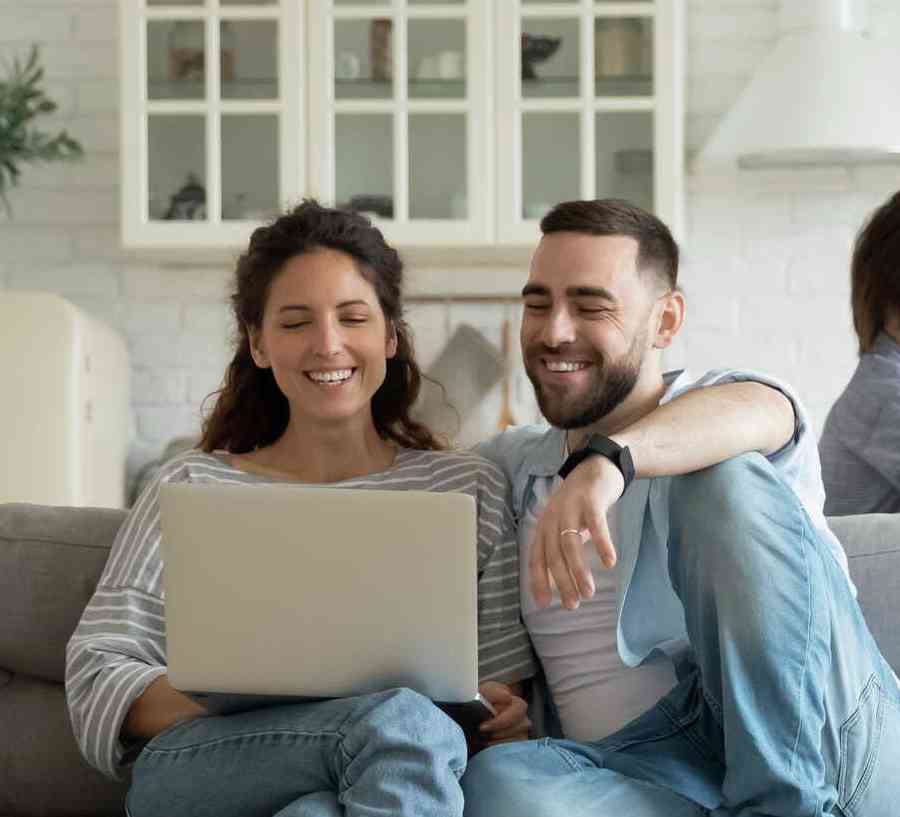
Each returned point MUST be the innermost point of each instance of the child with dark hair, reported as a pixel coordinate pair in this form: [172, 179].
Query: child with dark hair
[860, 445]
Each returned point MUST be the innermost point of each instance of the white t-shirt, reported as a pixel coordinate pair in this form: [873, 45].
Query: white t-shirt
[595, 692]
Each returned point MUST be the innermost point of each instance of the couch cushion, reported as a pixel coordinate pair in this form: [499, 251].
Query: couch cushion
[42, 773]
[50, 561]
[872, 544]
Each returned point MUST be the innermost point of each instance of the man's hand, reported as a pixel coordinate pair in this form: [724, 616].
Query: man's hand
[574, 514]
[511, 721]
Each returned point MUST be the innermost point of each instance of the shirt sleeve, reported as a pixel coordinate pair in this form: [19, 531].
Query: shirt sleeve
[504, 649]
[118, 647]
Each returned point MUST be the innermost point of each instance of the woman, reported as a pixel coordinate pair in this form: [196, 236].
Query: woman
[860, 445]
[319, 391]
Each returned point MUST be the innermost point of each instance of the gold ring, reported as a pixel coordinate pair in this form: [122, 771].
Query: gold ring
[568, 531]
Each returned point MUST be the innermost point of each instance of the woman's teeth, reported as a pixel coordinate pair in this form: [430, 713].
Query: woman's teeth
[338, 376]
[564, 366]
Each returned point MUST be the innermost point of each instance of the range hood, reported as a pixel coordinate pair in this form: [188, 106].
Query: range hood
[828, 94]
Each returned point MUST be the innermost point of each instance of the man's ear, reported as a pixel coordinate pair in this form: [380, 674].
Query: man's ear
[257, 352]
[668, 317]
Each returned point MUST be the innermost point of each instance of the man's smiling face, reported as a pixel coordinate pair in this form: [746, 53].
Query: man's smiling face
[585, 325]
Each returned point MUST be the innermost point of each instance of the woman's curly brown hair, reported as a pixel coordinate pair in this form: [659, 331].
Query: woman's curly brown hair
[250, 410]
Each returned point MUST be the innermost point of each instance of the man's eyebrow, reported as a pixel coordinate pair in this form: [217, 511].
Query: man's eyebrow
[591, 292]
[534, 289]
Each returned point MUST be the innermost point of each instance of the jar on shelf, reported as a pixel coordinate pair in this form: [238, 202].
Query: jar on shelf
[380, 50]
[621, 47]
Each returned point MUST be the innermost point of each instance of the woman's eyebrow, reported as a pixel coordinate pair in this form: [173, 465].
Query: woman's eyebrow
[341, 305]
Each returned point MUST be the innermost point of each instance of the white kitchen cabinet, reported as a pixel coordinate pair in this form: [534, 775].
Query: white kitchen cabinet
[454, 123]
[210, 147]
[589, 105]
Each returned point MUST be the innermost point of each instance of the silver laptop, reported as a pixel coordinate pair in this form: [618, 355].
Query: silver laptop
[280, 592]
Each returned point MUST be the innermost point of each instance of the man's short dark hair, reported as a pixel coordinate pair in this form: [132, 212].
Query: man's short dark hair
[657, 250]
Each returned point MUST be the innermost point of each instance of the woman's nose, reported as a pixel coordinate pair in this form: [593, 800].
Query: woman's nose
[329, 339]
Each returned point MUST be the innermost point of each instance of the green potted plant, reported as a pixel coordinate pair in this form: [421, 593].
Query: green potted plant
[21, 102]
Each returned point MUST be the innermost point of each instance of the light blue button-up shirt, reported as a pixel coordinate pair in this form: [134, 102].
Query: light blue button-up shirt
[531, 453]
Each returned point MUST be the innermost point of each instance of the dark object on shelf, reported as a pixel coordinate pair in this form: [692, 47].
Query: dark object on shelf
[189, 203]
[368, 203]
[537, 49]
[380, 49]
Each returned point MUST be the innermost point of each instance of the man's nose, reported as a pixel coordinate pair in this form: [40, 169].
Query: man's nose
[559, 328]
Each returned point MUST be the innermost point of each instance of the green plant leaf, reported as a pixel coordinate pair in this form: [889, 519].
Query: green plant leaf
[22, 101]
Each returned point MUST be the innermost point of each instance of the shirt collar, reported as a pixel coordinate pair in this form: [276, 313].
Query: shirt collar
[548, 455]
[884, 344]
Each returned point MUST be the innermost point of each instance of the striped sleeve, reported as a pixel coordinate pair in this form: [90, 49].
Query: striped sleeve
[119, 646]
[504, 649]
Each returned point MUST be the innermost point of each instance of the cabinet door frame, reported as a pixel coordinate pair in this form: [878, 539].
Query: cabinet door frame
[666, 104]
[137, 229]
[404, 231]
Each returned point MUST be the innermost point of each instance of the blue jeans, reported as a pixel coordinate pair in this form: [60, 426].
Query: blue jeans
[785, 708]
[390, 752]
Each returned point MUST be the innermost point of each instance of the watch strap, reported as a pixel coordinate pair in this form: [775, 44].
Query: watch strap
[598, 445]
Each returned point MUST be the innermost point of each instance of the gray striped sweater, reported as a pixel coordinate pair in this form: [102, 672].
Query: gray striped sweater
[119, 646]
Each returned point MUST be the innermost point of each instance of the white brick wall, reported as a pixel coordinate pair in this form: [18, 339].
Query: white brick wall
[765, 256]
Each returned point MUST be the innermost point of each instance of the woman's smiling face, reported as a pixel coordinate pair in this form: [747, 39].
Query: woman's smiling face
[325, 338]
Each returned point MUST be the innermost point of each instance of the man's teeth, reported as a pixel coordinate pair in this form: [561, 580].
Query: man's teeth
[331, 377]
[565, 366]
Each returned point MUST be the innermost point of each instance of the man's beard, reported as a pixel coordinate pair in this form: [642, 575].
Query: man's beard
[609, 387]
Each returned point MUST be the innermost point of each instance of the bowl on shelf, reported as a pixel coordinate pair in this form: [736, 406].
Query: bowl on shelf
[377, 204]
[536, 49]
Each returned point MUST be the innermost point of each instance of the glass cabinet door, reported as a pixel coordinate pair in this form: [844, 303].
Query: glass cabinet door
[399, 125]
[582, 109]
[214, 112]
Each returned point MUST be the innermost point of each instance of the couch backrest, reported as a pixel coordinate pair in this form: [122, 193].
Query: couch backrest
[872, 544]
[51, 558]
[50, 561]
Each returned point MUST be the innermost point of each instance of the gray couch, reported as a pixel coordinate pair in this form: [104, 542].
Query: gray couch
[50, 559]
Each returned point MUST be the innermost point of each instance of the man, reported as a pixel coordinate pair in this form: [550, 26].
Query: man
[722, 663]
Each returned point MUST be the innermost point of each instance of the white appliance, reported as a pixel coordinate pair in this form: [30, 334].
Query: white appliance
[827, 94]
[64, 409]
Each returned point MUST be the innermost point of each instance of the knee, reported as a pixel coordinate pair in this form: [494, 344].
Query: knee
[507, 781]
[404, 718]
[722, 493]
[717, 510]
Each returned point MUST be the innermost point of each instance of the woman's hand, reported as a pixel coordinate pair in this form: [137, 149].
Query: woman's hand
[159, 707]
[511, 721]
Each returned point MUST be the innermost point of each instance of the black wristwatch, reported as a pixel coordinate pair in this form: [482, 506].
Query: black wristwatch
[602, 446]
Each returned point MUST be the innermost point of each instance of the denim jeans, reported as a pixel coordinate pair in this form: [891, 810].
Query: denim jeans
[390, 752]
[785, 707]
